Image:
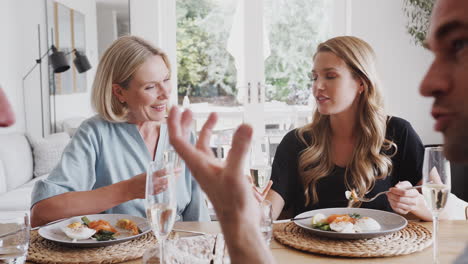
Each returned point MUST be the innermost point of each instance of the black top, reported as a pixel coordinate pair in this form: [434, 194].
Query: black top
[407, 166]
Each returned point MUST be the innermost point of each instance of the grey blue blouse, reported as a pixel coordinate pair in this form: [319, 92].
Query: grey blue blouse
[102, 153]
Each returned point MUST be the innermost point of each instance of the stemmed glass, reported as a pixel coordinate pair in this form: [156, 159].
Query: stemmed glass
[436, 188]
[14, 237]
[260, 162]
[161, 203]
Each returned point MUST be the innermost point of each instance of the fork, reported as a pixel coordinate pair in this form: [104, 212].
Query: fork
[214, 250]
[366, 200]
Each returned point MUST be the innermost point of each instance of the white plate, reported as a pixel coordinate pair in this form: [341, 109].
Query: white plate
[54, 232]
[389, 222]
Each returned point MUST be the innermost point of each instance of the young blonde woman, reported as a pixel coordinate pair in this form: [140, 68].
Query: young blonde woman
[351, 143]
[103, 167]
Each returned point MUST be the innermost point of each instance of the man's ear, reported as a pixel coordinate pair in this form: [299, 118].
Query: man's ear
[117, 92]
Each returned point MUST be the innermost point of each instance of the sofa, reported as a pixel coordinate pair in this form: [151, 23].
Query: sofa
[23, 161]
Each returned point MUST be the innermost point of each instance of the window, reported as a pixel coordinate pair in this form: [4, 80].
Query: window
[249, 60]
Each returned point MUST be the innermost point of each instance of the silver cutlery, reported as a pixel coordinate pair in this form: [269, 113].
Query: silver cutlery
[291, 219]
[214, 250]
[366, 200]
[188, 231]
[50, 223]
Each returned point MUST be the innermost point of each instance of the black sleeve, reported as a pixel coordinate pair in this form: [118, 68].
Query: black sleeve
[408, 161]
[284, 172]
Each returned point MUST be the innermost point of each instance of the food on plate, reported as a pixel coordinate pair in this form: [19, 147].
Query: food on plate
[366, 224]
[100, 230]
[345, 223]
[104, 230]
[78, 231]
[129, 225]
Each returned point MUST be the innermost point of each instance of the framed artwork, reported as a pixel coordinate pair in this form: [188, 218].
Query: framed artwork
[68, 33]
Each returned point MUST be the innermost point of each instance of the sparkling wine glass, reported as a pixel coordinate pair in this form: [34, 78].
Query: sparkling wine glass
[161, 203]
[436, 188]
[260, 162]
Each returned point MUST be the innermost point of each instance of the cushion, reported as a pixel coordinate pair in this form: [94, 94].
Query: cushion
[16, 155]
[19, 199]
[47, 152]
[70, 125]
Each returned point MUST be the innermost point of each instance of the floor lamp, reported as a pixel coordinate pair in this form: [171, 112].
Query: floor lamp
[59, 63]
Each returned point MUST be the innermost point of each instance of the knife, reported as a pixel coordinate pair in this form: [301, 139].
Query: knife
[291, 219]
[50, 223]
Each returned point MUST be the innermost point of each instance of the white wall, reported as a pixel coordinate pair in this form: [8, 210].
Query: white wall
[153, 21]
[107, 27]
[18, 51]
[6, 80]
[402, 65]
[19, 47]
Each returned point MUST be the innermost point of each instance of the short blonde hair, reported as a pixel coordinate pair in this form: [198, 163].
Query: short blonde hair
[117, 66]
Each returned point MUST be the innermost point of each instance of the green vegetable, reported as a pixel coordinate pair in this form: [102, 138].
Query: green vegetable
[139, 230]
[325, 227]
[356, 216]
[322, 226]
[85, 220]
[104, 235]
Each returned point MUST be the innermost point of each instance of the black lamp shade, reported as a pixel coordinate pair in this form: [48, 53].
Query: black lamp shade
[81, 62]
[58, 60]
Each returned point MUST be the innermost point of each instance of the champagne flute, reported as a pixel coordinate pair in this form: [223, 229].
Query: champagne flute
[161, 205]
[260, 162]
[436, 188]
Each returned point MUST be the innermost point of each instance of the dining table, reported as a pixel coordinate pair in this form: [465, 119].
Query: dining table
[453, 237]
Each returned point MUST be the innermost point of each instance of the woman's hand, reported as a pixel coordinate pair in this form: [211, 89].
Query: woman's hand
[403, 200]
[138, 183]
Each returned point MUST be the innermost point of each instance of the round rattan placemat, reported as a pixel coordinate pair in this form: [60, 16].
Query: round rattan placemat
[414, 237]
[44, 251]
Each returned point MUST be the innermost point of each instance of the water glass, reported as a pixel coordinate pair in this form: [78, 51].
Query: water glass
[14, 237]
[436, 188]
[161, 203]
[266, 221]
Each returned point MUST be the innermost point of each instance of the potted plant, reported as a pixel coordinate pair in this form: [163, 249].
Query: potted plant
[418, 13]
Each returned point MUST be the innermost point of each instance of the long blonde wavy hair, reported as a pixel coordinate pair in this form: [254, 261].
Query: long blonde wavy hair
[371, 159]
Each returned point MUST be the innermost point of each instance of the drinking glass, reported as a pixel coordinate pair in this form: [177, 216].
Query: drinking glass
[171, 156]
[14, 237]
[161, 206]
[436, 188]
[260, 162]
[266, 221]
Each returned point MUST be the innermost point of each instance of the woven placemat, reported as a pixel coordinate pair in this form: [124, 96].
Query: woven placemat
[44, 251]
[414, 237]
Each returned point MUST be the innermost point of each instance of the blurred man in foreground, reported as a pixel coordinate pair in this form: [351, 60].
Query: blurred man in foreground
[447, 79]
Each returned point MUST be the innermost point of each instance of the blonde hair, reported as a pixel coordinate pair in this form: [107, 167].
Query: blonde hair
[117, 66]
[369, 158]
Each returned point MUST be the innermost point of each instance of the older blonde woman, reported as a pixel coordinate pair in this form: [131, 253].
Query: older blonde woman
[351, 143]
[103, 167]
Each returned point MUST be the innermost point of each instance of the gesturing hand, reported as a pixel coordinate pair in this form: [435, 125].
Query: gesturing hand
[225, 184]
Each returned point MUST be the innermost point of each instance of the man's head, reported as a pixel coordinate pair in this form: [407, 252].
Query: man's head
[7, 118]
[447, 78]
